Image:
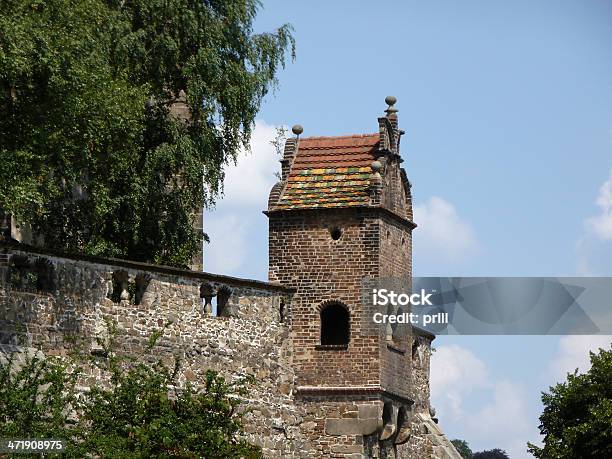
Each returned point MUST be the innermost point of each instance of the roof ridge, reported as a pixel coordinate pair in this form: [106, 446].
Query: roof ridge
[347, 136]
[339, 147]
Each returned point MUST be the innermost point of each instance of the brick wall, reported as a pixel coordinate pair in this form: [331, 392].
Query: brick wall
[304, 256]
[395, 255]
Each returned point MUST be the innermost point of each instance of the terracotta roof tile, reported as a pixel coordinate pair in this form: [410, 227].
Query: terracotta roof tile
[330, 172]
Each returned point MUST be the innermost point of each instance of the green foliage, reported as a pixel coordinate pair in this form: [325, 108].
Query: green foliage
[37, 398]
[462, 448]
[278, 142]
[152, 417]
[90, 154]
[140, 411]
[577, 417]
[491, 454]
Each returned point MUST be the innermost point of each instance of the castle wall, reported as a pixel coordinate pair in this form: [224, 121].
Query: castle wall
[250, 337]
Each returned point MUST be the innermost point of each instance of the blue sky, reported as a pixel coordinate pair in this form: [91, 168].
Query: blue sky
[507, 108]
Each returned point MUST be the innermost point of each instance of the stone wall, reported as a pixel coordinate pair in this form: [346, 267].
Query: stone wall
[250, 335]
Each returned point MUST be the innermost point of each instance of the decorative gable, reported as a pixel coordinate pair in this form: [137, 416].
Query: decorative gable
[345, 171]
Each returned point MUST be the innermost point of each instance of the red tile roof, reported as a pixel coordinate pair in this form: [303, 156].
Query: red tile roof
[330, 172]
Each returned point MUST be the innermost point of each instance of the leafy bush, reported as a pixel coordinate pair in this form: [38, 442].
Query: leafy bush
[38, 398]
[139, 411]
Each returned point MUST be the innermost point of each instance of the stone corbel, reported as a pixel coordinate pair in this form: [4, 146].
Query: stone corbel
[403, 435]
[208, 292]
[120, 285]
[142, 281]
[390, 422]
[404, 425]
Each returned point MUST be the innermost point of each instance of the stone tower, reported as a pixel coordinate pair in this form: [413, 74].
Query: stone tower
[342, 213]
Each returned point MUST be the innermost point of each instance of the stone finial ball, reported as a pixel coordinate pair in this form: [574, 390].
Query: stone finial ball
[297, 129]
[376, 166]
[390, 100]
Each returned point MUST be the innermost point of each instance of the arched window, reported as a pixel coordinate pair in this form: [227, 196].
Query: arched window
[334, 324]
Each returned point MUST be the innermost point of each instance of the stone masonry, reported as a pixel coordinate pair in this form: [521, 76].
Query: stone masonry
[327, 387]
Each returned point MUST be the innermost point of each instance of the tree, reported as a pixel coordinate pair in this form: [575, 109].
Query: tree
[91, 154]
[462, 448]
[37, 395]
[577, 417]
[138, 409]
[491, 454]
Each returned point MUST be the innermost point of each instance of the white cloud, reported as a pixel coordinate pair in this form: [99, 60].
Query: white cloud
[573, 353]
[442, 234]
[226, 252]
[590, 247]
[473, 406]
[504, 421]
[455, 373]
[236, 227]
[601, 225]
[248, 183]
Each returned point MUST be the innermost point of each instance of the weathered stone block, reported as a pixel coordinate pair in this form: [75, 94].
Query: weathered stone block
[308, 426]
[350, 426]
[369, 411]
[190, 375]
[347, 449]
